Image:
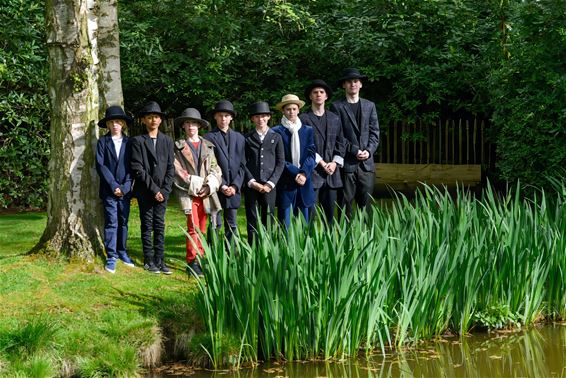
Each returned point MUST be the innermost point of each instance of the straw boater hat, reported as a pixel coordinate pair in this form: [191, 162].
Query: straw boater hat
[351, 73]
[290, 99]
[318, 83]
[115, 112]
[190, 114]
[223, 106]
[259, 108]
[151, 107]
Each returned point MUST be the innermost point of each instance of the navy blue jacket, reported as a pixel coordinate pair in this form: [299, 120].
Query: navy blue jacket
[231, 160]
[287, 185]
[114, 171]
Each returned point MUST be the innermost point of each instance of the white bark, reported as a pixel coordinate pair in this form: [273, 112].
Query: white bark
[109, 80]
[74, 215]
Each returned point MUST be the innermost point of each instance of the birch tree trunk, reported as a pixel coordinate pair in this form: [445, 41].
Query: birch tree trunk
[74, 215]
[110, 79]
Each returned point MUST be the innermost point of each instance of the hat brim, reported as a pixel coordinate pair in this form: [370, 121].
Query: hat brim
[350, 77]
[310, 87]
[162, 115]
[180, 120]
[214, 111]
[102, 122]
[282, 104]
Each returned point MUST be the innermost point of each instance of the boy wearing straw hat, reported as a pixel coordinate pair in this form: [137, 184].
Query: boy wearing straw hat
[295, 191]
[113, 167]
[152, 166]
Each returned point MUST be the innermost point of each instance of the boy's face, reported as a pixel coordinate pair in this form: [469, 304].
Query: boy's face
[260, 120]
[191, 128]
[151, 121]
[352, 86]
[115, 126]
[223, 120]
[318, 96]
[291, 112]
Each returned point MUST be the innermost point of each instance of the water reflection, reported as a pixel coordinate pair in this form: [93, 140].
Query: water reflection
[538, 352]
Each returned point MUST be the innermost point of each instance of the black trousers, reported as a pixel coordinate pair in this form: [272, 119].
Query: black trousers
[358, 186]
[327, 199]
[152, 219]
[230, 224]
[258, 205]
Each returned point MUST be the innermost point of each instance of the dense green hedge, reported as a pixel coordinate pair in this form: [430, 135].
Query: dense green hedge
[499, 60]
[24, 120]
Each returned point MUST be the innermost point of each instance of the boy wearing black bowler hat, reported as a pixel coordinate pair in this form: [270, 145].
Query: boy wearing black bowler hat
[153, 169]
[113, 167]
[265, 161]
[230, 156]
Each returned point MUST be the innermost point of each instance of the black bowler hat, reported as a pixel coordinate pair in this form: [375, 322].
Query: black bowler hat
[259, 108]
[318, 83]
[190, 114]
[223, 106]
[115, 112]
[351, 73]
[151, 107]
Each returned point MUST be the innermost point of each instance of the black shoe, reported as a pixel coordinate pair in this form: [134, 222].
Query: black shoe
[151, 268]
[164, 269]
[194, 269]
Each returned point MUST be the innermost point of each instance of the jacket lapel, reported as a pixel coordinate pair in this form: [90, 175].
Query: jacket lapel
[123, 148]
[221, 144]
[352, 116]
[150, 147]
[188, 155]
[320, 126]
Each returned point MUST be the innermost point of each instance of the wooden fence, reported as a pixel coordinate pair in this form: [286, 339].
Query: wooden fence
[446, 152]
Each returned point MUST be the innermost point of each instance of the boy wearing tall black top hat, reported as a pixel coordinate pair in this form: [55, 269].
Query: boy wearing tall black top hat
[230, 156]
[265, 161]
[153, 170]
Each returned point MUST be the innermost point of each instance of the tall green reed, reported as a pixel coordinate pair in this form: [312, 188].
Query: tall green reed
[386, 277]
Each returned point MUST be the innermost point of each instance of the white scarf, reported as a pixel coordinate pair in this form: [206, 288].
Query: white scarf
[293, 128]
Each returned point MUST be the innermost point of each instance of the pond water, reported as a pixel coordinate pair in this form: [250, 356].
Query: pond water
[537, 352]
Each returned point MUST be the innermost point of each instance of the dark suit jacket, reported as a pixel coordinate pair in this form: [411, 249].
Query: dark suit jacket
[114, 171]
[358, 137]
[329, 140]
[265, 160]
[231, 160]
[152, 168]
[287, 185]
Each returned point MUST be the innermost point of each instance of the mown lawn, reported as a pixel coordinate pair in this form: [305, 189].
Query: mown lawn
[79, 319]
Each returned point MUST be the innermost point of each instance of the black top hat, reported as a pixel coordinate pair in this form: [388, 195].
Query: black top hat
[115, 112]
[318, 83]
[259, 108]
[151, 107]
[190, 114]
[224, 106]
[351, 73]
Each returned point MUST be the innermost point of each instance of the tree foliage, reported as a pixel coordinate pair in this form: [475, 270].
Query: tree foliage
[426, 59]
[24, 137]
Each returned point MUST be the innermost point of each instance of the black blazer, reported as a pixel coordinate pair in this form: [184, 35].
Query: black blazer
[114, 171]
[358, 137]
[152, 168]
[329, 140]
[265, 160]
[231, 160]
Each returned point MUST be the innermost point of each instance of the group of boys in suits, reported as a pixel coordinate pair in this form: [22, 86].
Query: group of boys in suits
[314, 157]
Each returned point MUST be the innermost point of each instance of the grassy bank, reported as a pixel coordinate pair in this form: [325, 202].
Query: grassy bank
[405, 272]
[75, 319]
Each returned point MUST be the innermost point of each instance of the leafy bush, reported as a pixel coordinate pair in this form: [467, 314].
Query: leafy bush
[24, 126]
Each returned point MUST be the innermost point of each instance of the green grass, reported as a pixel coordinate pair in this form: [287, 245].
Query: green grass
[67, 318]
